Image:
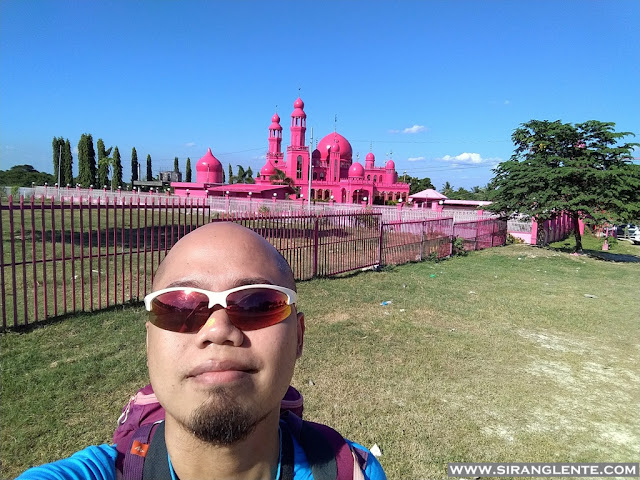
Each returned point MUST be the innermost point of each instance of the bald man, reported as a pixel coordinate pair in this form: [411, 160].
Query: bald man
[223, 336]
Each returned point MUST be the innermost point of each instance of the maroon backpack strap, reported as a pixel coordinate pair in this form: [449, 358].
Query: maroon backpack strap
[328, 453]
[341, 449]
[130, 459]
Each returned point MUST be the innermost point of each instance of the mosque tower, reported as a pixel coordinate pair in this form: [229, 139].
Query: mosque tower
[298, 124]
[297, 166]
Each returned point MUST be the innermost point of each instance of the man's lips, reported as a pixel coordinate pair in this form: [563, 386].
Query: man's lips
[220, 371]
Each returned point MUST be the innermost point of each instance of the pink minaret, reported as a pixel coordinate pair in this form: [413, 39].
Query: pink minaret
[298, 124]
[370, 160]
[275, 135]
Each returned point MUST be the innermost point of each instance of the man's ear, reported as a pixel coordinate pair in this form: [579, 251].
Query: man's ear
[300, 334]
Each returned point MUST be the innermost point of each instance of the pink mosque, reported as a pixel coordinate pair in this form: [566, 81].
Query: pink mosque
[334, 174]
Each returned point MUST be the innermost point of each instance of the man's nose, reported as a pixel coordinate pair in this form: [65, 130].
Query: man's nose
[219, 330]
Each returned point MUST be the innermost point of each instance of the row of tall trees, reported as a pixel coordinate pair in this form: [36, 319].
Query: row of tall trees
[107, 171]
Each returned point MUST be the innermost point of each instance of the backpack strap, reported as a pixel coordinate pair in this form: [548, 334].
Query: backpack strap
[156, 466]
[287, 458]
[135, 453]
[329, 455]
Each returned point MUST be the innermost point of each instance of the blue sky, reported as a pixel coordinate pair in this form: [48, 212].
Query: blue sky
[441, 85]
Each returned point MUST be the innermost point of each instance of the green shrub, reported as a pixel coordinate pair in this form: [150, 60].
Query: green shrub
[458, 247]
[511, 239]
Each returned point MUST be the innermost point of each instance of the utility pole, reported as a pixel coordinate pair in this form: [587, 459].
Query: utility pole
[310, 171]
[59, 164]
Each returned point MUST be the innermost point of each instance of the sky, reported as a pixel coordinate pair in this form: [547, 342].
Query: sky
[439, 86]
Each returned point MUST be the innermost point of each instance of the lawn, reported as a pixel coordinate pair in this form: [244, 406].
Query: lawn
[508, 354]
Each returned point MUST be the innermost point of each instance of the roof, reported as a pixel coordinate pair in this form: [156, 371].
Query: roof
[428, 194]
[475, 203]
[249, 187]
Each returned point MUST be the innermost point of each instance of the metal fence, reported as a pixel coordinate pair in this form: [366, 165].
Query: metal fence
[481, 234]
[86, 254]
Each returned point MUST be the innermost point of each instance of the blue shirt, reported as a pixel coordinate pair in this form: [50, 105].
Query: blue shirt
[99, 463]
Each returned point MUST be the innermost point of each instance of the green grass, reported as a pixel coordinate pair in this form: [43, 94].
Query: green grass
[497, 356]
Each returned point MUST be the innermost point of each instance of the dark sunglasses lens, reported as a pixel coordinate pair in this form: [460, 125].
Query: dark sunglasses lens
[180, 311]
[256, 308]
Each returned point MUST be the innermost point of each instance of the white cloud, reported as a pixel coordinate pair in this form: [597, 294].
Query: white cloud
[414, 129]
[75, 150]
[415, 159]
[394, 131]
[507, 102]
[469, 158]
[190, 144]
[260, 157]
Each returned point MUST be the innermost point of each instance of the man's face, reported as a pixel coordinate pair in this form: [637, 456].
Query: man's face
[221, 369]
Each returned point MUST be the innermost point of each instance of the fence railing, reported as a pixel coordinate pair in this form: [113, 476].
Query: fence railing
[87, 254]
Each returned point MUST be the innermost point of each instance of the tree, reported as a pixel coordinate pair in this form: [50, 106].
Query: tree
[86, 161]
[24, 176]
[447, 189]
[244, 176]
[134, 165]
[579, 169]
[117, 169]
[230, 175]
[102, 152]
[250, 178]
[176, 167]
[103, 164]
[66, 177]
[419, 184]
[188, 171]
[103, 172]
[149, 172]
[280, 178]
[57, 147]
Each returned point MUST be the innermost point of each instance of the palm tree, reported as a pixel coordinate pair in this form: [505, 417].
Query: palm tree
[244, 176]
[280, 178]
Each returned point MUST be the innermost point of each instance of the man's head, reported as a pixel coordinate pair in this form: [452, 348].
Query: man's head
[222, 380]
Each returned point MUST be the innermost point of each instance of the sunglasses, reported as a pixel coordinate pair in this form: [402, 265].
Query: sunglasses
[250, 307]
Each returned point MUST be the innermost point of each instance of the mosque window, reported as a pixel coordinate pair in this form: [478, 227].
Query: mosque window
[335, 169]
[299, 167]
[368, 177]
[374, 178]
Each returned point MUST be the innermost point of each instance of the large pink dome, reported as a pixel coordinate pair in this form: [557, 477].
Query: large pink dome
[356, 170]
[346, 153]
[208, 163]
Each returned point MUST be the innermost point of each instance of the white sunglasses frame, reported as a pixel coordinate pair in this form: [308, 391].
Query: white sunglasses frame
[220, 298]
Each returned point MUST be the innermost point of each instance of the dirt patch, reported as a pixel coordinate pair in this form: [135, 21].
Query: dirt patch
[555, 342]
[334, 317]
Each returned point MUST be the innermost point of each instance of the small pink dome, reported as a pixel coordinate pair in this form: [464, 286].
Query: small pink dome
[275, 118]
[268, 169]
[356, 170]
[390, 165]
[298, 103]
[335, 147]
[208, 163]
[370, 157]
